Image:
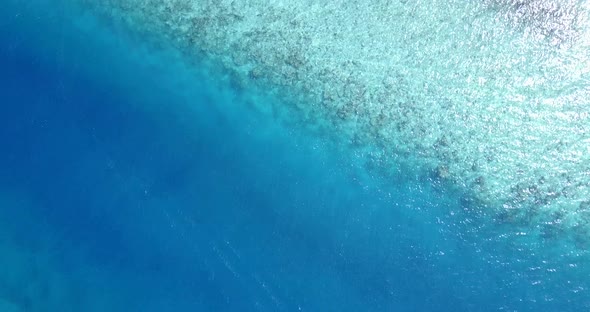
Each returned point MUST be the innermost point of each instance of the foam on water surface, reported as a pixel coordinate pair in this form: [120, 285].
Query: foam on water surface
[200, 190]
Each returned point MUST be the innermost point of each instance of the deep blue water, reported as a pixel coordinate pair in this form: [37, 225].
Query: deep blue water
[130, 181]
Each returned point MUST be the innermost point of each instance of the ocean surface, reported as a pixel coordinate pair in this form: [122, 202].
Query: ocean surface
[133, 180]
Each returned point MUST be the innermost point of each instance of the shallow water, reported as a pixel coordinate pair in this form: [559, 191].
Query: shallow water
[132, 181]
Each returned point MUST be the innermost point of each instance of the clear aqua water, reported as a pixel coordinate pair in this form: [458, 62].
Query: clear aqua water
[130, 181]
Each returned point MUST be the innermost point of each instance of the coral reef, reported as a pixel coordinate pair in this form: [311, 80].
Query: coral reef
[491, 96]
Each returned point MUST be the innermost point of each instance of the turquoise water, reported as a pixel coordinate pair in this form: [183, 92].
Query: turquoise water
[132, 180]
